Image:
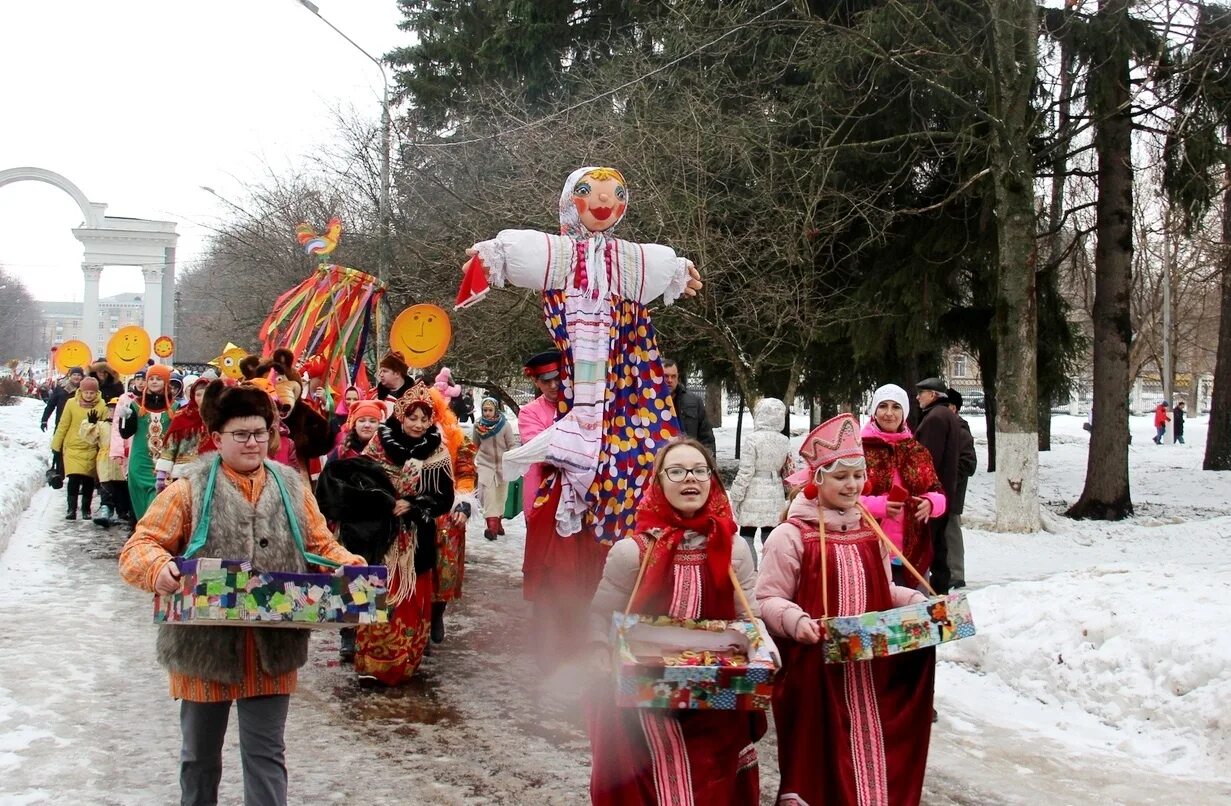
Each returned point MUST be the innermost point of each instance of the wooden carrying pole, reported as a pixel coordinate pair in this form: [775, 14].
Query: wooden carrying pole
[867, 516]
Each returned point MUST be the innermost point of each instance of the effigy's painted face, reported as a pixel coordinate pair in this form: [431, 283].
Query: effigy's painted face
[600, 203]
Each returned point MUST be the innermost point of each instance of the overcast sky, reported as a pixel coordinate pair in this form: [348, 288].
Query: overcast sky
[141, 102]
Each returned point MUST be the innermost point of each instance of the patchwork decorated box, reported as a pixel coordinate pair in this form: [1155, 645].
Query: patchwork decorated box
[661, 662]
[882, 633]
[229, 592]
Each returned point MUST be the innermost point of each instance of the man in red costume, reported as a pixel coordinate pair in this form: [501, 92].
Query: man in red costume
[559, 573]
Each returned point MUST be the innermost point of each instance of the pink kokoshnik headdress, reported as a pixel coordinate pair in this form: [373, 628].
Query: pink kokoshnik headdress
[835, 439]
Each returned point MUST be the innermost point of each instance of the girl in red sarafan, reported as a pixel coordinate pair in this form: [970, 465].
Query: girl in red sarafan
[660, 756]
[850, 733]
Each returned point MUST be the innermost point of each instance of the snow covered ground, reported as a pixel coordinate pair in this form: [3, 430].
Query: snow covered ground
[24, 458]
[1100, 674]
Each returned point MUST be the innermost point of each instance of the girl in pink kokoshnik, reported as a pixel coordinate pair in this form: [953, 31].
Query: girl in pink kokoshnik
[854, 732]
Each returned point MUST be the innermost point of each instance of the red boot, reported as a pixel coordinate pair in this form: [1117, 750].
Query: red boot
[499, 526]
[493, 528]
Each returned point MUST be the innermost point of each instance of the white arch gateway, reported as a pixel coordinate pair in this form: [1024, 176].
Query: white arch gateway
[115, 241]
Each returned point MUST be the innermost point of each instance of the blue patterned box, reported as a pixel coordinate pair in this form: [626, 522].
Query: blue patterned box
[644, 679]
[882, 633]
[229, 592]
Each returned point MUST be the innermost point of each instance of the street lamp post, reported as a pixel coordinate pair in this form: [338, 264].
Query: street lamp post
[382, 266]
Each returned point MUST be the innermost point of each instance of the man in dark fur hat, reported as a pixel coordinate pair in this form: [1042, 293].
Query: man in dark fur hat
[393, 377]
[210, 668]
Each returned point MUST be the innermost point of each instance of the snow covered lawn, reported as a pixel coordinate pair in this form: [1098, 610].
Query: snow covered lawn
[24, 458]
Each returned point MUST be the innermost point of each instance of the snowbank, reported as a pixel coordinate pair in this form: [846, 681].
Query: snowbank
[1107, 639]
[25, 455]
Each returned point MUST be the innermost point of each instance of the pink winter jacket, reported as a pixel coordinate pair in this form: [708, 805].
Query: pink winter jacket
[778, 580]
[876, 504]
[534, 417]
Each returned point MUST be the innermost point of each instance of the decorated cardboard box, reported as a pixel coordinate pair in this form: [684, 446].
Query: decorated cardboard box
[230, 592]
[662, 662]
[882, 633]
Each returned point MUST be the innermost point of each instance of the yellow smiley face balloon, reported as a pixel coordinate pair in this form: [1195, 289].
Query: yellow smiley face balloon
[128, 349]
[421, 333]
[164, 346]
[72, 353]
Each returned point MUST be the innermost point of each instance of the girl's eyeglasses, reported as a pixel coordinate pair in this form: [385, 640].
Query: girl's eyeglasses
[678, 473]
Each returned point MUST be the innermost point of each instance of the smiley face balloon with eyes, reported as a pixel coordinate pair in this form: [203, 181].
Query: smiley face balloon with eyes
[421, 333]
[129, 349]
[72, 353]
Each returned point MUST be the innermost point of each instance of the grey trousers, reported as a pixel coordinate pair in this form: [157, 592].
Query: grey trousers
[957, 551]
[261, 749]
[749, 533]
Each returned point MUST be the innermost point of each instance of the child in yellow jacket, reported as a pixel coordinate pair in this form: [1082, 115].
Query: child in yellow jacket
[78, 454]
[112, 478]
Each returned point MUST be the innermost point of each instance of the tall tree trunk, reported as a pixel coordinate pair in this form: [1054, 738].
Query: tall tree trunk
[1014, 46]
[1218, 440]
[1106, 493]
[1048, 277]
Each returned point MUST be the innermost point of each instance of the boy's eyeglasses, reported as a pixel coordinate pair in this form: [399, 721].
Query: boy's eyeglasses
[242, 437]
[678, 474]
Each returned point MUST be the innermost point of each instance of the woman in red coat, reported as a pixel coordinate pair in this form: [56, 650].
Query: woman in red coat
[903, 491]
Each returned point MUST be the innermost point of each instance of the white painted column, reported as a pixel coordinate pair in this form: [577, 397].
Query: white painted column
[90, 331]
[152, 300]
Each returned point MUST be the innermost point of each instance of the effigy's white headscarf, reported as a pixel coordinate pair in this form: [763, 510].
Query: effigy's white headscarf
[596, 242]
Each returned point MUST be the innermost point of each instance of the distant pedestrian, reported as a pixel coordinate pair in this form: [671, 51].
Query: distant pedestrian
[114, 506]
[60, 394]
[967, 464]
[494, 436]
[1161, 418]
[1178, 415]
[689, 409]
[758, 495]
[940, 432]
[77, 451]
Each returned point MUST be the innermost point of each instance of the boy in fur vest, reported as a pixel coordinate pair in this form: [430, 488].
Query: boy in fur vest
[211, 666]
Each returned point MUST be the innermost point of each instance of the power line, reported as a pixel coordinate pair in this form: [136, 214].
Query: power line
[548, 118]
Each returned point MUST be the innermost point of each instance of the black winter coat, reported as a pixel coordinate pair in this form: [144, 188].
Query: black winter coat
[940, 432]
[55, 402]
[690, 409]
[358, 496]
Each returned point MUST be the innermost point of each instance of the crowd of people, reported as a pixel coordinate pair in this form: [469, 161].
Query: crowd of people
[396, 482]
[624, 510]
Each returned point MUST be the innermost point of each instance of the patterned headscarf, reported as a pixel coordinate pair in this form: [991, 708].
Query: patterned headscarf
[590, 245]
[485, 428]
[570, 221]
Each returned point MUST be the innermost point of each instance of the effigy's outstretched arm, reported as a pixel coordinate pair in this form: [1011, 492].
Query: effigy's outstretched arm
[526, 258]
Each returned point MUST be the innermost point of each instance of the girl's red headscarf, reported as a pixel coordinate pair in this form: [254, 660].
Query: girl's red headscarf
[188, 421]
[658, 519]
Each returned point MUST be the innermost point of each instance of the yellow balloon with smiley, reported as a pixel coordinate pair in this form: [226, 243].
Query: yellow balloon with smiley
[72, 353]
[128, 349]
[421, 333]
